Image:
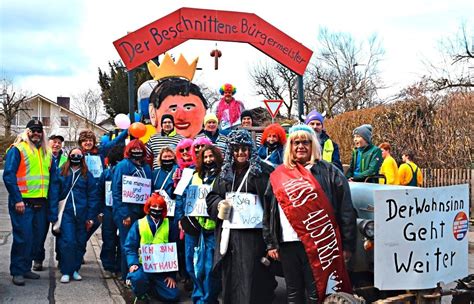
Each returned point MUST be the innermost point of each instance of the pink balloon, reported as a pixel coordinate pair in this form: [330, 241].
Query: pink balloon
[122, 121]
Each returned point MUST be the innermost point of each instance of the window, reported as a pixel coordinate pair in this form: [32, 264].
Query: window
[46, 121]
[64, 121]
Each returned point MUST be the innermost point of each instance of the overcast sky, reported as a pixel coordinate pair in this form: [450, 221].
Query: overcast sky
[55, 47]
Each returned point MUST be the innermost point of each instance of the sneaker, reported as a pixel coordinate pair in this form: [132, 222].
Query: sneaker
[65, 278]
[31, 275]
[76, 276]
[107, 274]
[18, 280]
[37, 266]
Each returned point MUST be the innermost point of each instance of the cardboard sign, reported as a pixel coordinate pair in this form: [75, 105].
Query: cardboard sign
[94, 164]
[159, 257]
[135, 190]
[170, 203]
[108, 194]
[196, 200]
[420, 236]
[273, 106]
[246, 213]
[183, 24]
[186, 177]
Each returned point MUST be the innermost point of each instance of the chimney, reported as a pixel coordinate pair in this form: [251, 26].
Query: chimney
[63, 102]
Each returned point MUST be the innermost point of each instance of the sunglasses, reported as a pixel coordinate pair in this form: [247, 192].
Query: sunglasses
[36, 130]
[76, 156]
[182, 150]
[198, 147]
[302, 142]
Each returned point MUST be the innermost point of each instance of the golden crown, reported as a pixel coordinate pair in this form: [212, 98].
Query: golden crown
[168, 68]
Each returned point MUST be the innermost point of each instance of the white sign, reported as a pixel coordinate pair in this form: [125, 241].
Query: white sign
[273, 106]
[170, 203]
[159, 257]
[135, 190]
[108, 194]
[94, 165]
[196, 200]
[420, 236]
[186, 177]
[246, 213]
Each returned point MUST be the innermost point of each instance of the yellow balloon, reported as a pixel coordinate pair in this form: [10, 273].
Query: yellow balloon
[150, 130]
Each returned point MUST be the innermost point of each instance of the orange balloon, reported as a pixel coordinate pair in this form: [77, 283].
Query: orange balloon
[137, 129]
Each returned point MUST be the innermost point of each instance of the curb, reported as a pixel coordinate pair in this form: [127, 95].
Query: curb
[111, 284]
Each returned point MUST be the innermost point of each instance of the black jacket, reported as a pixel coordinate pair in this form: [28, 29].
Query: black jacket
[337, 190]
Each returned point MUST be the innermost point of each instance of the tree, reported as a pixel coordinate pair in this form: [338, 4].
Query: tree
[453, 72]
[211, 95]
[275, 82]
[114, 87]
[11, 104]
[89, 105]
[345, 75]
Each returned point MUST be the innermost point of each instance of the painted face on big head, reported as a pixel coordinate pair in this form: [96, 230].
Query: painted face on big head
[301, 149]
[188, 112]
[56, 145]
[316, 125]
[208, 157]
[241, 154]
[359, 142]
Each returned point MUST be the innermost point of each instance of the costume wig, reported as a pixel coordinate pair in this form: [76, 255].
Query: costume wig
[135, 144]
[184, 143]
[274, 129]
[156, 200]
[227, 87]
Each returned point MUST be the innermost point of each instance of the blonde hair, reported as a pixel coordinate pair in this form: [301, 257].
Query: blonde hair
[162, 151]
[288, 158]
[23, 137]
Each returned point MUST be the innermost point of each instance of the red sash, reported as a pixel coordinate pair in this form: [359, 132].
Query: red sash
[312, 217]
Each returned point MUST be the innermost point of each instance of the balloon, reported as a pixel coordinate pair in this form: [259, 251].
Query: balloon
[137, 129]
[150, 130]
[122, 121]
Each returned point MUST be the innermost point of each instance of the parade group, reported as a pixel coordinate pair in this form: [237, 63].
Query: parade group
[274, 203]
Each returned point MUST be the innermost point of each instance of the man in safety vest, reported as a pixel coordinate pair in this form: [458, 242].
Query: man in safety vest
[153, 229]
[26, 177]
[329, 149]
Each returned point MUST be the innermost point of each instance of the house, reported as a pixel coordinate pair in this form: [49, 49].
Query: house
[57, 118]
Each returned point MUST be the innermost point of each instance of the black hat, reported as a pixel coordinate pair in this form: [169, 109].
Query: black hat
[246, 113]
[56, 137]
[167, 116]
[34, 123]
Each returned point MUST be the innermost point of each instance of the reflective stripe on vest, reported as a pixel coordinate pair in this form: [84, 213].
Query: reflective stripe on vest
[328, 149]
[147, 237]
[33, 172]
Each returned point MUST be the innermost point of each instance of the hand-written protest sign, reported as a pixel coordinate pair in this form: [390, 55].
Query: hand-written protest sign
[247, 211]
[196, 200]
[159, 257]
[170, 203]
[135, 189]
[420, 236]
[108, 194]
[94, 165]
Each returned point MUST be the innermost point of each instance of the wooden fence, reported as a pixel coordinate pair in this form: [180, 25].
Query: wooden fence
[448, 177]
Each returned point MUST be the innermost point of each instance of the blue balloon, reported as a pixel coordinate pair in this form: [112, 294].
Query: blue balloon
[104, 139]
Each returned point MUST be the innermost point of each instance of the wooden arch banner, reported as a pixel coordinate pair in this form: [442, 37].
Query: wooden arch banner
[184, 24]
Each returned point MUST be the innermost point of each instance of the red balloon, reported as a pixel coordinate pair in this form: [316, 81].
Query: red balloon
[137, 129]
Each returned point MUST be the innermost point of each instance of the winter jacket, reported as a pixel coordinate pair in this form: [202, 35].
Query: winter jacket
[276, 156]
[370, 162]
[336, 188]
[124, 210]
[158, 178]
[335, 157]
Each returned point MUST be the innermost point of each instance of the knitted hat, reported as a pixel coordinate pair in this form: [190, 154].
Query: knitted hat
[301, 127]
[364, 131]
[227, 87]
[167, 116]
[314, 115]
[210, 116]
[246, 113]
[236, 138]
